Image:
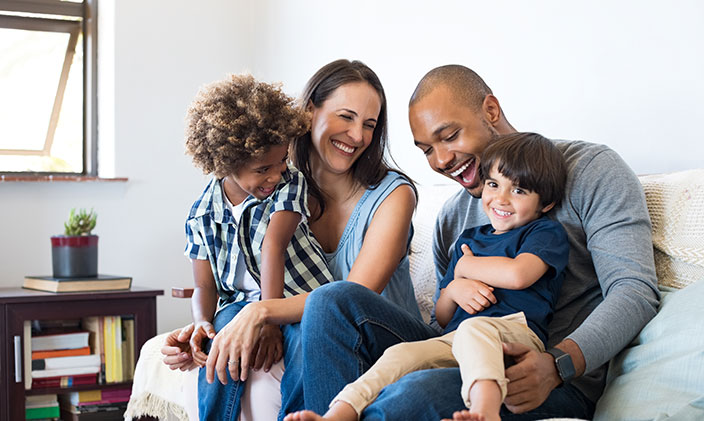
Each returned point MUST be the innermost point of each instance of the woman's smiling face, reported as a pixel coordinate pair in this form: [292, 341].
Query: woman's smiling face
[343, 125]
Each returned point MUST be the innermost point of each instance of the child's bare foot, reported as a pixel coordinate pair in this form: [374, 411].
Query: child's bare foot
[465, 415]
[303, 416]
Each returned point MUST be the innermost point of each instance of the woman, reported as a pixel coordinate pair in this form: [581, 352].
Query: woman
[361, 216]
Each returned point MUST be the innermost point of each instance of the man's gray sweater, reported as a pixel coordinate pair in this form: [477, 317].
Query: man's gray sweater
[609, 292]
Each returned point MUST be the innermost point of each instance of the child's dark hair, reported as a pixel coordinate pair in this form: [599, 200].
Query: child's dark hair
[531, 161]
[236, 119]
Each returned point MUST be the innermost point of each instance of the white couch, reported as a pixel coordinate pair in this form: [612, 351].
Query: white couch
[659, 376]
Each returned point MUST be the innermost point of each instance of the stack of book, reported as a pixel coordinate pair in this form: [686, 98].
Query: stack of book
[92, 350]
[62, 360]
[39, 407]
[94, 405]
[112, 338]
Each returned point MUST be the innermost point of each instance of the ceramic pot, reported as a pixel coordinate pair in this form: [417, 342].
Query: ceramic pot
[74, 256]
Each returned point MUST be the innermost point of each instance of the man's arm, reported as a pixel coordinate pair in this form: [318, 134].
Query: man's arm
[617, 228]
[612, 227]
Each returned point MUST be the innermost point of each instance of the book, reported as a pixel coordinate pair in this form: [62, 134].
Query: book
[55, 353]
[94, 325]
[67, 340]
[117, 332]
[95, 397]
[64, 381]
[128, 361]
[70, 371]
[36, 401]
[112, 413]
[92, 408]
[27, 353]
[66, 362]
[41, 412]
[96, 283]
[77, 398]
[107, 346]
[55, 326]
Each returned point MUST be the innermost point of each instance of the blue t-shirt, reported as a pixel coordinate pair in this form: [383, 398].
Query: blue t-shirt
[544, 238]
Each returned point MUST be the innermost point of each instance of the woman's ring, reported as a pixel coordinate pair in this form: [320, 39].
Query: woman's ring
[233, 362]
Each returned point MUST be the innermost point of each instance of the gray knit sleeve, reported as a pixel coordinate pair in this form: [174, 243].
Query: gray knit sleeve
[610, 201]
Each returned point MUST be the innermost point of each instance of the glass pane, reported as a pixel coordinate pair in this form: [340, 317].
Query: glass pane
[29, 79]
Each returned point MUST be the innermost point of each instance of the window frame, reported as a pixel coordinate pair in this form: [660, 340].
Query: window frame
[88, 10]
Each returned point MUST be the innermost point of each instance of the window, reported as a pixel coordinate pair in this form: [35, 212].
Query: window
[47, 79]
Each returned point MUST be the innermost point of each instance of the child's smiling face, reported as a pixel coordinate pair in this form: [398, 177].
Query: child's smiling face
[508, 205]
[258, 177]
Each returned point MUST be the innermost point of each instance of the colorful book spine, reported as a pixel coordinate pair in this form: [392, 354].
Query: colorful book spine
[55, 353]
[64, 381]
[41, 413]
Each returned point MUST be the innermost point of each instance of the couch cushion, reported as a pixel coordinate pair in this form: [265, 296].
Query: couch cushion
[430, 200]
[660, 375]
[676, 207]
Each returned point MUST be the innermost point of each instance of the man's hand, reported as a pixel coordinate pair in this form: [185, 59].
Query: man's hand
[531, 379]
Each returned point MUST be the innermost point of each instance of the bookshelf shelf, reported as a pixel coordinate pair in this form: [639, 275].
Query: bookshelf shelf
[51, 390]
[18, 305]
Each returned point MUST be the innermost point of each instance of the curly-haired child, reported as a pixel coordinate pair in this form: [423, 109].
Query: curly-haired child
[247, 234]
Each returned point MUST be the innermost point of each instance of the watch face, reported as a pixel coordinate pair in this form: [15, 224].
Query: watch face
[565, 367]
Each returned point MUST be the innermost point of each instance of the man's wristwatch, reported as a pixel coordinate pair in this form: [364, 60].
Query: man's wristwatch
[564, 365]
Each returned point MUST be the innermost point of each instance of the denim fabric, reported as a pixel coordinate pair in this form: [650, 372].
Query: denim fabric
[217, 401]
[435, 394]
[345, 329]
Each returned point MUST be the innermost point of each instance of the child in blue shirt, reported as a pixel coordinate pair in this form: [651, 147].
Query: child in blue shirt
[247, 234]
[501, 285]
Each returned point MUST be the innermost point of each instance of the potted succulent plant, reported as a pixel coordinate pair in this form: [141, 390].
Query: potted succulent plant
[75, 254]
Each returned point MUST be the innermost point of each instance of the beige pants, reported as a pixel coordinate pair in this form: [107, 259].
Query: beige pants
[475, 346]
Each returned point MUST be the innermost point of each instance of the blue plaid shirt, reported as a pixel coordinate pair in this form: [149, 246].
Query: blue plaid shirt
[211, 231]
[305, 265]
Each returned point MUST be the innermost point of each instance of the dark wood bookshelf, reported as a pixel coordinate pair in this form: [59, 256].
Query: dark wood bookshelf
[18, 305]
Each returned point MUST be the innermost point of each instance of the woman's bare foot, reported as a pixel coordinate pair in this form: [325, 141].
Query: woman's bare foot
[339, 411]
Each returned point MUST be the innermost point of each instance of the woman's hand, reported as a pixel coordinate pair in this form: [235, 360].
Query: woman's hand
[473, 296]
[232, 347]
[269, 349]
[201, 331]
[177, 350]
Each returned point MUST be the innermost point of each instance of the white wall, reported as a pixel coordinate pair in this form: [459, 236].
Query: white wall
[627, 74]
[163, 51]
[624, 73]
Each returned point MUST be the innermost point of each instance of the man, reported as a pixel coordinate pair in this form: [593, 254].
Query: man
[608, 295]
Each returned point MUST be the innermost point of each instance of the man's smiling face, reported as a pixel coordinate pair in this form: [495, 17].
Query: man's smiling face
[452, 136]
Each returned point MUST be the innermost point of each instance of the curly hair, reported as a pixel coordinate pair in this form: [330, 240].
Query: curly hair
[236, 119]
